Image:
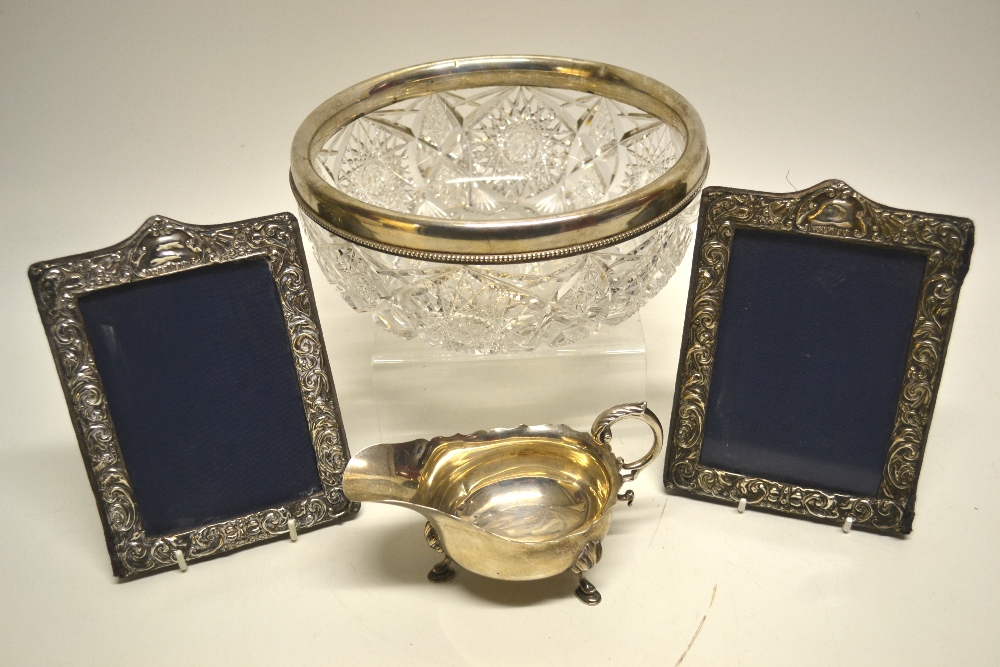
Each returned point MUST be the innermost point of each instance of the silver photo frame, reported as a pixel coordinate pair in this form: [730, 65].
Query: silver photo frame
[163, 248]
[831, 218]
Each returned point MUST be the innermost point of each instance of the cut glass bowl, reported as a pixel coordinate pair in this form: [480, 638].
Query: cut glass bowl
[497, 204]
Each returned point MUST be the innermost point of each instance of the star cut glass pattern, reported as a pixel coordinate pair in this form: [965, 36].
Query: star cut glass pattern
[501, 153]
[510, 307]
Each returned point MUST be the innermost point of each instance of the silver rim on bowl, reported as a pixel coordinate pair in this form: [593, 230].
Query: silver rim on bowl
[491, 241]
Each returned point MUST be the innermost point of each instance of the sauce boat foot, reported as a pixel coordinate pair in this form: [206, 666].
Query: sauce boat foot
[443, 571]
[587, 592]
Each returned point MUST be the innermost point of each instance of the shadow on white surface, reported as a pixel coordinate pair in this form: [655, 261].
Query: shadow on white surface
[516, 593]
[49, 496]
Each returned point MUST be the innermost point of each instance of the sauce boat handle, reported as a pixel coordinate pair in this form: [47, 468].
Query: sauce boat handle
[601, 430]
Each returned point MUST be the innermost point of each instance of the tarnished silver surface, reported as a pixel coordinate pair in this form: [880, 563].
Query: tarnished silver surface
[829, 209]
[492, 241]
[512, 503]
[163, 246]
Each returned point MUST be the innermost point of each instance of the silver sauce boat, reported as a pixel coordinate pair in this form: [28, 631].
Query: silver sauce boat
[519, 503]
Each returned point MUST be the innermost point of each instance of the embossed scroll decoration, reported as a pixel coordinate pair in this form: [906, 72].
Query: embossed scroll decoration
[160, 247]
[831, 209]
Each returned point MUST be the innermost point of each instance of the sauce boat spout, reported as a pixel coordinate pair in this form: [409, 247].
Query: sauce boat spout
[386, 472]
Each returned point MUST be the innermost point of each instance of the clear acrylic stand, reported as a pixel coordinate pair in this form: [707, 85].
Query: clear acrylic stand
[421, 391]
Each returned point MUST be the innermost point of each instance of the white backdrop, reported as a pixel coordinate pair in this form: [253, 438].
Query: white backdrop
[110, 113]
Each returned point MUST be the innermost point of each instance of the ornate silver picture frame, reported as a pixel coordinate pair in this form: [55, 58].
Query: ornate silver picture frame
[160, 251]
[843, 221]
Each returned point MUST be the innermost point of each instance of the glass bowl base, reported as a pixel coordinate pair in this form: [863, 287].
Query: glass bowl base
[421, 389]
